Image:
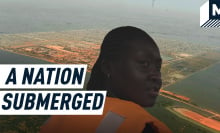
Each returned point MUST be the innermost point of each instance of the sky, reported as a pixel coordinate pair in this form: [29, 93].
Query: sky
[179, 18]
[191, 6]
[178, 5]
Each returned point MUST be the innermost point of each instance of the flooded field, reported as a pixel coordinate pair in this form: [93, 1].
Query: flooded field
[203, 88]
[12, 58]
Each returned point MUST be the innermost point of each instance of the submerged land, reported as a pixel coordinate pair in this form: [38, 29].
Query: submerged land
[181, 60]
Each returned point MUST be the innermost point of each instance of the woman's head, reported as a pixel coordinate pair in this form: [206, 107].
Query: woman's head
[128, 66]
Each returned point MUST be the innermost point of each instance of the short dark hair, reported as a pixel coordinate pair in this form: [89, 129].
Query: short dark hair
[112, 47]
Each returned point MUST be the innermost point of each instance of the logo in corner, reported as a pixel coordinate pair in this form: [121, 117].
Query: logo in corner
[210, 14]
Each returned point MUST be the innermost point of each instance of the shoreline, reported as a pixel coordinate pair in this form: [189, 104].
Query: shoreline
[196, 118]
[49, 61]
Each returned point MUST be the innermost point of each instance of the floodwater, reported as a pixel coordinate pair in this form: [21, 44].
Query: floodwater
[203, 88]
[13, 58]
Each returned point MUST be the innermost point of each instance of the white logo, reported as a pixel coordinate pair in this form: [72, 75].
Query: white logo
[210, 14]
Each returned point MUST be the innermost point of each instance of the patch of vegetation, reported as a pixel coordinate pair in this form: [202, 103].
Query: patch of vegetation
[21, 124]
[176, 124]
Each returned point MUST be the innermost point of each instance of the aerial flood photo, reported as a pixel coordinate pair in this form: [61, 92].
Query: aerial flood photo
[72, 31]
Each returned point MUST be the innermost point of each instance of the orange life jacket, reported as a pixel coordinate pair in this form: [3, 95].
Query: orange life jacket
[119, 116]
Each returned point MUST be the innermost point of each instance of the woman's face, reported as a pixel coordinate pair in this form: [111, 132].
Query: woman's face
[136, 77]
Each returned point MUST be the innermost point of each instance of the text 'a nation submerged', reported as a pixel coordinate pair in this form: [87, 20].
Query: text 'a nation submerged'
[34, 100]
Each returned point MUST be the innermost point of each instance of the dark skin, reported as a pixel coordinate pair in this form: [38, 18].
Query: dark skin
[136, 75]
